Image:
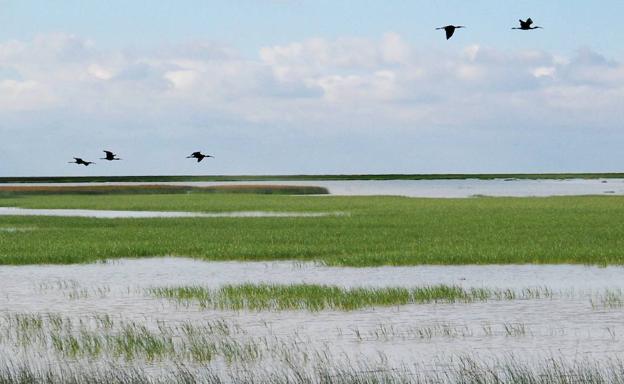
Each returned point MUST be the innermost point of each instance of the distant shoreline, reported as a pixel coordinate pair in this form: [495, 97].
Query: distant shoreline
[458, 176]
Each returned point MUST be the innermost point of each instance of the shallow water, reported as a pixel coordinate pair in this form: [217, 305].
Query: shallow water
[104, 214]
[565, 325]
[430, 188]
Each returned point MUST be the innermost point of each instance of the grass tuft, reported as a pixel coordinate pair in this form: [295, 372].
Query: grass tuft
[313, 297]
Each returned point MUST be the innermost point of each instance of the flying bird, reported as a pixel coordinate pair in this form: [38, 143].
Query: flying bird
[526, 25]
[110, 156]
[78, 160]
[198, 155]
[450, 30]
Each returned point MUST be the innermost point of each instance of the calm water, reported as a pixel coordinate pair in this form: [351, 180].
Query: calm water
[104, 214]
[435, 188]
[566, 325]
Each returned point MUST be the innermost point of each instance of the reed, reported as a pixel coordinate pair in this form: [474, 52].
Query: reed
[16, 191]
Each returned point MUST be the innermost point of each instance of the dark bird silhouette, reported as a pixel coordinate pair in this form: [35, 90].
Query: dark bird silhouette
[450, 30]
[198, 155]
[110, 156]
[78, 160]
[526, 25]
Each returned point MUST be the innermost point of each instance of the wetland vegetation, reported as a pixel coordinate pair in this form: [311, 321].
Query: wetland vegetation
[106, 348]
[211, 346]
[12, 191]
[465, 370]
[313, 297]
[374, 231]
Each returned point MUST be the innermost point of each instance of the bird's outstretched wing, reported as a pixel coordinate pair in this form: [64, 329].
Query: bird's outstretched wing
[449, 32]
[529, 21]
[199, 158]
[108, 153]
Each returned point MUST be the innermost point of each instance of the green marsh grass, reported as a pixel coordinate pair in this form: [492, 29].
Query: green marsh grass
[376, 231]
[312, 297]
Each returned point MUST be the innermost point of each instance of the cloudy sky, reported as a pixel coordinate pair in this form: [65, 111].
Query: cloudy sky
[297, 86]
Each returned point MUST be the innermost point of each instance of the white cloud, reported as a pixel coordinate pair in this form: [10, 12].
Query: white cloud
[316, 86]
[544, 71]
[182, 80]
[100, 72]
[301, 79]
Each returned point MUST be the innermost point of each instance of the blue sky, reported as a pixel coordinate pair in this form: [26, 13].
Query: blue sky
[249, 25]
[311, 86]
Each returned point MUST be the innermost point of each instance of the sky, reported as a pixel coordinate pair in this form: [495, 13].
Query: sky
[295, 86]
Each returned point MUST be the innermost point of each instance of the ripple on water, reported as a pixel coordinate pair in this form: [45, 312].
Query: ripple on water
[565, 325]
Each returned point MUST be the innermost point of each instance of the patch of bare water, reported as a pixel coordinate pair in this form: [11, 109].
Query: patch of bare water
[107, 214]
[16, 229]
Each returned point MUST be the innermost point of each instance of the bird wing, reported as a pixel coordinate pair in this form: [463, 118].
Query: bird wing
[199, 159]
[529, 21]
[78, 159]
[449, 32]
[195, 154]
[109, 153]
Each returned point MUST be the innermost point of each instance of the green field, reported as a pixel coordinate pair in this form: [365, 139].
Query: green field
[374, 231]
[394, 176]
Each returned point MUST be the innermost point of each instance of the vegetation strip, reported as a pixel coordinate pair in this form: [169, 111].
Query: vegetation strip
[313, 297]
[9, 191]
[464, 370]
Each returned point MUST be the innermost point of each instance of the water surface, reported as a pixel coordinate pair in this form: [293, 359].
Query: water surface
[428, 188]
[107, 214]
[565, 325]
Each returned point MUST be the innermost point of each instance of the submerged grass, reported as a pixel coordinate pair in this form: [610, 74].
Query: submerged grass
[608, 299]
[466, 370]
[104, 338]
[377, 231]
[314, 297]
[52, 348]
